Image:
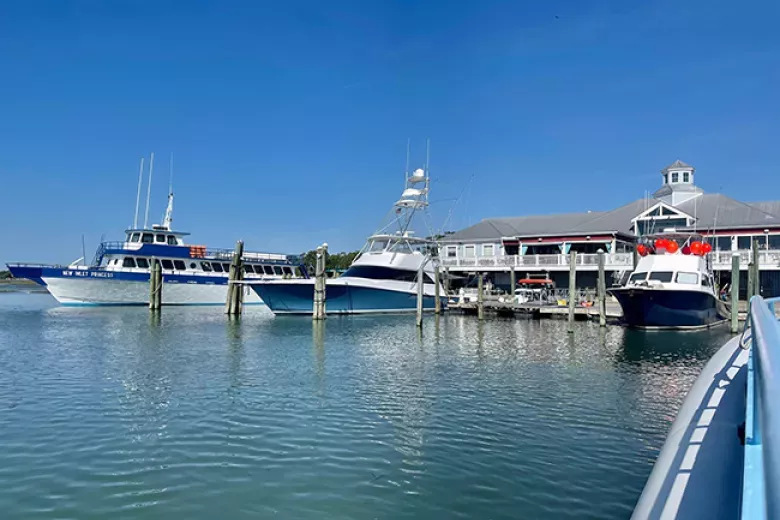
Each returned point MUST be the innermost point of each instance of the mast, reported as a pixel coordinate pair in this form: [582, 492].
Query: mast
[138, 193]
[168, 219]
[149, 190]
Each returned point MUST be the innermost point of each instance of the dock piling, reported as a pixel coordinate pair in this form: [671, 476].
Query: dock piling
[602, 292]
[512, 282]
[318, 312]
[756, 269]
[235, 295]
[480, 297]
[155, 286]
[437, 290]
[572, 287]
[420, 293]
[734, 293]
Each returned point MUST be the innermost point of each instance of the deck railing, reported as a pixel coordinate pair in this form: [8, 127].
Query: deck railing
[613, 261]
[761, 478]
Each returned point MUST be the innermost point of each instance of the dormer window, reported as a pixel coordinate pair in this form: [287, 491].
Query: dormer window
[675, 177]
[666, 178]
[686, 177]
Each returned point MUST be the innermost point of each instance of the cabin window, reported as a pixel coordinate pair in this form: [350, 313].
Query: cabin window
[377, 246]
[287, 270]
[468, 251]
[171, 240]
[277, 270]
[226, 267]
[638, 277]
[452, 251]
[147, 238]
[206, 266]
[193, 265]
[487, 250]
[258, 269]
[179, 264]
[268, 270]
[136, 237]
[248, 269]
[705, 281]
[143, 263]
[691, 278]
[160, 238]
[128, 262]
[743, 242]
[383, 273]
[298, 273]
[216, 266]
[167, 264]
[661, 276]
[675, 177]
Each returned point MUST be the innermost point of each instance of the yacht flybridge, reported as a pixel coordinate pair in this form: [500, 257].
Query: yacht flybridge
[384, 276]
[672, 285]
[119, 272]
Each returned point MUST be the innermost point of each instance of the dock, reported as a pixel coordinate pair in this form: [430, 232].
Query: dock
[509, 309]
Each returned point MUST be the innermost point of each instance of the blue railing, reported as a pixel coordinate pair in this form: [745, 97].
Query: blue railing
[761, 479]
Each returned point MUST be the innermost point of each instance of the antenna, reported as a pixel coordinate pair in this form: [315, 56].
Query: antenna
[406, 175]
[427, 156]
[168, 217]
[149, 190]
[170, 176]
[83, 251]
[138, 193]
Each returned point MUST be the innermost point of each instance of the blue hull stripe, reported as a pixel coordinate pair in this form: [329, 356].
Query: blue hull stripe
[296, 298]
[37, 274]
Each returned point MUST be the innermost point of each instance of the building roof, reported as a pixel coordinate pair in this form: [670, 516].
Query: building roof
[717, 211]
[771, 206]
[677, 165]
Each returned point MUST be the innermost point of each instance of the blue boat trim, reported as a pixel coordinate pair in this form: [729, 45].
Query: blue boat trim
[668, 308]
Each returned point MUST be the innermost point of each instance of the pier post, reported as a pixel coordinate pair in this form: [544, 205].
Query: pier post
[320, 275]
[572, 287]
[480, 297]
[751, 282]
[602, 292]
[437, 290]
[512, 284]
[447, 281]
[155, 286]
[635, 257]
[734, 293]
[756, 269]
[235, 291]
[420, 293]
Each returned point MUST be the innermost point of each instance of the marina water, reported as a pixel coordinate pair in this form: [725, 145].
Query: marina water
[113, 412]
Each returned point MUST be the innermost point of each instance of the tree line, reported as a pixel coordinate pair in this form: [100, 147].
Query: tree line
[335, 261]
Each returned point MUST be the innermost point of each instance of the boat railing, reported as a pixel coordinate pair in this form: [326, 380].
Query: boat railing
[761, 477]
[196, 252]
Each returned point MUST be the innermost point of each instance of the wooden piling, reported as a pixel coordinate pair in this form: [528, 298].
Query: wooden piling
[572, 287]
[756, 269]
[512, 283]
[750, 281]
[235, 295]
[155, 286]
[602, 292]
[437, 290]
[480, 297]
[320, 284]
[420, 293]
[735, 293]
[446, 281]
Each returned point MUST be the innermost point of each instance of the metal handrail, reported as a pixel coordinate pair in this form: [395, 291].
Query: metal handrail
[761, 480]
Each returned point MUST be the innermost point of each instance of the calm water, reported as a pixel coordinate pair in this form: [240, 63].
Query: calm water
[108, 413]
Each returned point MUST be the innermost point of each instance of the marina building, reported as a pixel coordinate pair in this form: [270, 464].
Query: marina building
[539, 244]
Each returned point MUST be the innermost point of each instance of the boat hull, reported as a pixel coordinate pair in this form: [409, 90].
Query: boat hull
[342, 297]
[87, 287]
[668, 308]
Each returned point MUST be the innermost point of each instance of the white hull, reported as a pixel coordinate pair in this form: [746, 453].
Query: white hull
[70, 291]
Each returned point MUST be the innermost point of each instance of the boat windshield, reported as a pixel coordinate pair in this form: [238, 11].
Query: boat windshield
[661, 276]
[401, 246]
[638, 277]
[377, 246]
[691, 278]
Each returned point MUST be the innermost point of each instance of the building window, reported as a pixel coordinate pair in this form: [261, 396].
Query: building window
[723, 244]
[666, 178]
[743, 242]
[468, 251]
[774, 241]
[487, 250]
[128, 262]
[452, 251]
[675, 177]
[686, 177]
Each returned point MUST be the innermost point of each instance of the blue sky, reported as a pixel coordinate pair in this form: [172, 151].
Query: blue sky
[288, 120]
